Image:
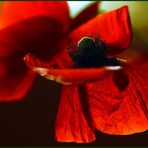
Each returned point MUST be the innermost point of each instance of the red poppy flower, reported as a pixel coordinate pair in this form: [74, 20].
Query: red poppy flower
[114, 102]
[97, 98]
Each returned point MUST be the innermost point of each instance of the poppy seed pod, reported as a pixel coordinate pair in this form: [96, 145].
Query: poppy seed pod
[86, 42]
[91, 53]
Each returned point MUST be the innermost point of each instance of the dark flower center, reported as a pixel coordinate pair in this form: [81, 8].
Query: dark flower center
[91, 53]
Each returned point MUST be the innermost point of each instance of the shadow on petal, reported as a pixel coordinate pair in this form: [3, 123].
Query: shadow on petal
[121, 80]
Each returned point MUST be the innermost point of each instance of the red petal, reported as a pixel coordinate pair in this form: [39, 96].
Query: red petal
[73, 124]
[32, 62]
[27, 27]
[72, 76]
[67, 76]
[15, 42]
[87, 14]
[63, 60]
[35, 27]
[114, 28]
[14, 12]
[37, 35]
[15, 80]
[120, 111]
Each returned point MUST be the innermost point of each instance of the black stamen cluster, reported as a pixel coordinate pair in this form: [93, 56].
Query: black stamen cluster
[91, 53]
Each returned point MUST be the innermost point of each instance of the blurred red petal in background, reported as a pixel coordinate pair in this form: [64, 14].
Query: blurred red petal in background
[14, 12]
[31, 27]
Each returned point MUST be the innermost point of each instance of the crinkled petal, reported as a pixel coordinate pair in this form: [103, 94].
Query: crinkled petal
[73, 123]
[14, 12]
[113, 27]
[119, 103]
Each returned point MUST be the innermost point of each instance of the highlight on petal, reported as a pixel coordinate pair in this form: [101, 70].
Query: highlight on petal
[72, 76]
[14, 12]
[73, 123]
[113, 27]
[119, 103]
[113, 67]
